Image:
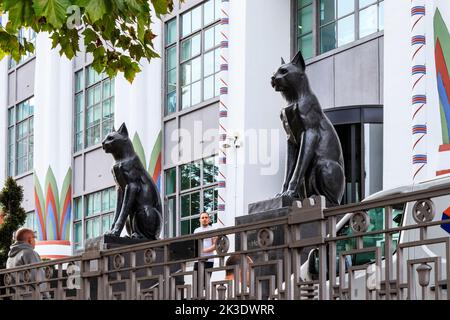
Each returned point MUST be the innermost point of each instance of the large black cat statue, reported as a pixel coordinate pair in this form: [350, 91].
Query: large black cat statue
[315, 165]
[138, 200]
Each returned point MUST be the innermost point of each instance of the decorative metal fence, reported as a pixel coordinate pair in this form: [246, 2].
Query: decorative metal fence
[390, 248]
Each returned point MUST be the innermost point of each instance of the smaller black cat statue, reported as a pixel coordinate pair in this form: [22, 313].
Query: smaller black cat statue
[138, 201]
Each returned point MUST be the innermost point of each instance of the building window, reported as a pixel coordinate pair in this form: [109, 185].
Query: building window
[30, 221]
[95, 217]
[24, 34]
[371, 17]
[339, 22]
[197, 193]
[20, 138]
[94, 107]
[305, 27]
[196, 68]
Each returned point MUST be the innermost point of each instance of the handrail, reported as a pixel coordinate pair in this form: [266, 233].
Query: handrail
[133, 265]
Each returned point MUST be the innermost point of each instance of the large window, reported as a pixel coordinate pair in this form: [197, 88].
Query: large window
[20, 138]
[197, 193]
[29, 35]
[94, 107]
[192, 57]
[339, 22]
[93, 215]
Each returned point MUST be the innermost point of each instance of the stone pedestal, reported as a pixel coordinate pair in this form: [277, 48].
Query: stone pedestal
[269, 204]
[106, 242]
[177, 250]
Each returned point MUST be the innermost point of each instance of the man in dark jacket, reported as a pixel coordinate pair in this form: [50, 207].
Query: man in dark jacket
[22, 253]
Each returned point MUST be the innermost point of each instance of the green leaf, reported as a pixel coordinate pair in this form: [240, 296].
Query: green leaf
[95, 9]
[134, 5]
[19, 12]
[89, 36]
[53, 10]
[160, 6]
[131, 70]
[55, 40]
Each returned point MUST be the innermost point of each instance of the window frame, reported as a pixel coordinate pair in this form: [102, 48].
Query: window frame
[316, 26]
[31, 214]
[28, 56]
[29, 119]
[91, 218]
[177, 44]
[178, 193]
[83, 91]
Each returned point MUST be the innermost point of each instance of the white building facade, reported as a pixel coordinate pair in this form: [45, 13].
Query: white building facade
[204, 118]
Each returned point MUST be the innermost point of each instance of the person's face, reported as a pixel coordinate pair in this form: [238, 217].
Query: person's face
[31, 239]
[204, 220]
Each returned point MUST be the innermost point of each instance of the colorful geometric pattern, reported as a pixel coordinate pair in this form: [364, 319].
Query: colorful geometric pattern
[418, 87]
[53, 209]
[446, 216]
[442, 58]
[154, 167]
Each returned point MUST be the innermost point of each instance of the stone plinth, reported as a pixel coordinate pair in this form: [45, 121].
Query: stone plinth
[270, 204]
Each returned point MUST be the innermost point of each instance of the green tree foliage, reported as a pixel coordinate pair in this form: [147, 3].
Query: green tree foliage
[116, 32]
[14, 216]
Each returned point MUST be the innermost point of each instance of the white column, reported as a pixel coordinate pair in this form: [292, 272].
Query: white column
[4, 113]
[53, 116]
[139, 106]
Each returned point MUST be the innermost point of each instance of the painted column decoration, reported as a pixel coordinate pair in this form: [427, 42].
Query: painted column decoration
[442, 59]
[53, 214]
[154, 164]
[223, 111]
[419, 95]
[53, 95]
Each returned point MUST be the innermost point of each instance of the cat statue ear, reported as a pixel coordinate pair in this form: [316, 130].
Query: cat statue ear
[282, 61]
[299, 61]
[123, 130]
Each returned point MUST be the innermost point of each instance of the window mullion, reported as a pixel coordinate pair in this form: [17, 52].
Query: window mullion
[315, 27]
[356, 28]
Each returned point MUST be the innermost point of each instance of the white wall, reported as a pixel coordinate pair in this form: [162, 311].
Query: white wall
[397, 93]
[4, 114]
[139, 104]
[3, 118]
[256, 46]
[53, 111]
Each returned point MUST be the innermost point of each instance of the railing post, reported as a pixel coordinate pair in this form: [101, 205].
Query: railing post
[310, 211]
[388, 252]
[332, 258]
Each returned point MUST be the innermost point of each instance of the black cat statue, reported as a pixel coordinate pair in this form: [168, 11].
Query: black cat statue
[138, 200]
[315, 164]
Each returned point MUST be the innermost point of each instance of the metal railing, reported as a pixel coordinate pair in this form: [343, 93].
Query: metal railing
[302, 255]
